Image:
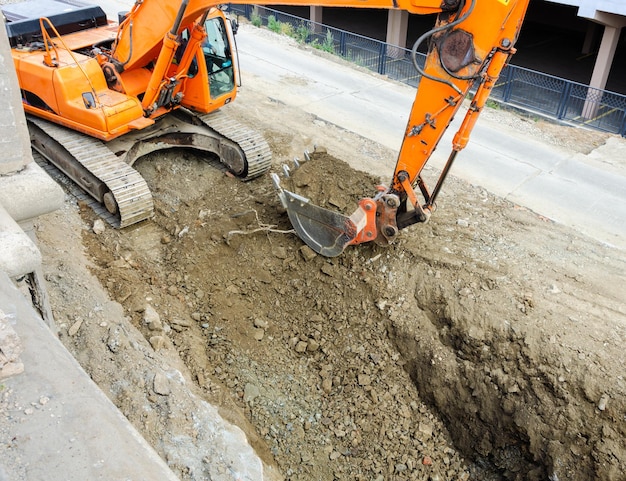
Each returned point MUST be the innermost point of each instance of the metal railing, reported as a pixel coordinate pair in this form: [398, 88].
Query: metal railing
[528, 90]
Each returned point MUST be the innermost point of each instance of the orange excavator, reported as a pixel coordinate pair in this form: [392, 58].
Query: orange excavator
[99, 95]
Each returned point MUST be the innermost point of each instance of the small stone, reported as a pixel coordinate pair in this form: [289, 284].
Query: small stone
[400, 467]
[160, 385]
[364, 380]
[337, 203]
[98, 227]
[427, 461]
[280, 252]
[43, 400]
[116, 339]
[425, 428]
[250, 393]
[334, 455]
[374, 396]
[157, 342]
[172, 290]
[312, 345]
[261, 323]
[166, 239]
[462, 222]
[196, 316]
[327, 385]
[328, 270]
[307, 253]
[301, 346]
[603, 402]
[74, 328]
[259, 334]
[180, 325]
[10, 344]
[152, 319]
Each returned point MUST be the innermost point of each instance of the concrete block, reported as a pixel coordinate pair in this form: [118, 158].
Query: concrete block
[20, 255]
[30, 193]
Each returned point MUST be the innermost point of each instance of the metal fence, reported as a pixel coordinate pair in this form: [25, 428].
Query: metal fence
[525, 89]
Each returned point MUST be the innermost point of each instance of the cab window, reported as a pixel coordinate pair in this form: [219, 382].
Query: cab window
[218, 58]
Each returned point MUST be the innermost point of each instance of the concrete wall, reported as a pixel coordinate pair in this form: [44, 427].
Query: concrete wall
[26, 191]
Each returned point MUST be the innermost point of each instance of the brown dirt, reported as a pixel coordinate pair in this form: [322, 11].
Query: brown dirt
[488, 342]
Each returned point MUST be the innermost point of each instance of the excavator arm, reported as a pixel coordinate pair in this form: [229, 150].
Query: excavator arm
[467, 49]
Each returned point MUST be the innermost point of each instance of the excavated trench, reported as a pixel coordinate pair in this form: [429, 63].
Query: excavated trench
[455, 352]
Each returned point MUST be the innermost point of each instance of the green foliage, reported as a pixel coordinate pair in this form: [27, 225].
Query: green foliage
[328, 45]
[273, 24]
[302, 33]
[255, 18]
[493, 104]
[286, 29]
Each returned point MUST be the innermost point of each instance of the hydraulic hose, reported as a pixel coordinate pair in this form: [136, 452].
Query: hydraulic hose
[432, 32]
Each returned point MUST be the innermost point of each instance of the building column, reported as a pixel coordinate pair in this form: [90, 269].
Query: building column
[397, 25]
[316, 17]
[590, 38]
[601, 69]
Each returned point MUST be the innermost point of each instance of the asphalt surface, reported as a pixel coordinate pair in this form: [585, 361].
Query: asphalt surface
[569, 188]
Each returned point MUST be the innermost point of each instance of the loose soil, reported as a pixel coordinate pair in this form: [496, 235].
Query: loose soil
[485, 344]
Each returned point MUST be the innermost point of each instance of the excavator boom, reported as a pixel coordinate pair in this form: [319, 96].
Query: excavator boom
[141, 34]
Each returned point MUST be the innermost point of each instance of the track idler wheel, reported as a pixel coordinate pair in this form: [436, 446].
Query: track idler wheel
[110, 203]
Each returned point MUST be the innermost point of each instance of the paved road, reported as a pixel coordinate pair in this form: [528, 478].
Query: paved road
[557, 184]
[553, 182]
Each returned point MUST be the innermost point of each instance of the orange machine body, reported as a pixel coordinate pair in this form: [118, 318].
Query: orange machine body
[72, 88]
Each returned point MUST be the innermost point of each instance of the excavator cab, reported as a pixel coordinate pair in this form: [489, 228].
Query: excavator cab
[218, 58]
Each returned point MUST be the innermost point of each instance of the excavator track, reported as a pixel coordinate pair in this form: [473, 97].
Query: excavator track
[256, 150]
[71, 186]
[90, 164]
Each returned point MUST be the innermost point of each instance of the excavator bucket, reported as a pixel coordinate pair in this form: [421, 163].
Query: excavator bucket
[326, 232]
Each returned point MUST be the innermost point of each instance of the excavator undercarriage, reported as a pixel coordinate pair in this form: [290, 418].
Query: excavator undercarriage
[105, 171]
[101, 163]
